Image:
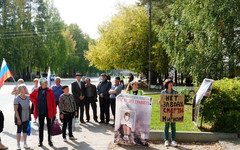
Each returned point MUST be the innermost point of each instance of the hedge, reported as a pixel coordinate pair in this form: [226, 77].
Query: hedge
[222, 108]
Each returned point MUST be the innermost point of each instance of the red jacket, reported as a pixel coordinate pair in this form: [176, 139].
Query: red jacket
[51, 103]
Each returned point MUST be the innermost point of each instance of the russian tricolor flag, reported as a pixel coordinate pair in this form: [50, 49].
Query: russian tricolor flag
[5, 73]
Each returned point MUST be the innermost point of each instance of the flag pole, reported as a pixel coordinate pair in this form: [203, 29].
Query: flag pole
[14, 79]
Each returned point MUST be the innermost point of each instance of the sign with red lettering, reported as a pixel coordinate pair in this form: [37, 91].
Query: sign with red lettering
[172, 108]
[132, 119]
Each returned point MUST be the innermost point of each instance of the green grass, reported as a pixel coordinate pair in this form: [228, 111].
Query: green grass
[187, 125]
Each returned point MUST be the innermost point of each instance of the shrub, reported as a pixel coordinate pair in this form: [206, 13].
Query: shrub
[187, 93]
[222, 108]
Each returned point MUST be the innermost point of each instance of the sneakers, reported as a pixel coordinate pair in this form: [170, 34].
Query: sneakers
[18, 147]
[26, 146]
[72, 138]
[174, 143]
[3, 147]
[166, 143]
[64, 140]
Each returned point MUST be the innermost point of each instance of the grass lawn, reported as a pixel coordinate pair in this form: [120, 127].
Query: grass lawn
[188, 125]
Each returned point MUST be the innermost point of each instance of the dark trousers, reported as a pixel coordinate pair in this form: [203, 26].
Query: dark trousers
[104, 109]
[41, 127]
[122, 83]
[67, 121]
[22, 128]
[113, 106]
[91, 100]
[81, 106]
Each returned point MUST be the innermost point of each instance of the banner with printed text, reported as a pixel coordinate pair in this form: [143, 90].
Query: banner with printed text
[172, 108]
[132, 120]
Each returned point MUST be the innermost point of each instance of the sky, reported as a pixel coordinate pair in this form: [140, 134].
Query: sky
[88, 14]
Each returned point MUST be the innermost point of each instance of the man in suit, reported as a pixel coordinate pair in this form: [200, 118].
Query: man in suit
[78, 91]
[91, 98]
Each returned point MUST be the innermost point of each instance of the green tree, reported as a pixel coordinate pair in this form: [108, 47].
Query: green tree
[123, 41]
[202, 37]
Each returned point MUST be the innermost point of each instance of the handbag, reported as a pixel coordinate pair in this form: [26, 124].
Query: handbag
[56, 129]
[29, 128]
[74, 121]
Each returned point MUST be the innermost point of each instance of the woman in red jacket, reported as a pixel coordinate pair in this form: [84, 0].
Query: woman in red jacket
[44, 107]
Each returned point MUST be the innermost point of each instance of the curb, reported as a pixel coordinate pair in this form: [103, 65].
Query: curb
[183, 136]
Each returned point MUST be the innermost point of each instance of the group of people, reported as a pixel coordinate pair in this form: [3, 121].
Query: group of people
[45, 101]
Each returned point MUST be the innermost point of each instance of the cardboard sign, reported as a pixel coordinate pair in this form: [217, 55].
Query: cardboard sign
[172, 108]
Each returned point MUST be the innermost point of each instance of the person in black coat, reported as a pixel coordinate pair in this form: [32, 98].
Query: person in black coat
[104, 100]
[1, 129]
[78, 91]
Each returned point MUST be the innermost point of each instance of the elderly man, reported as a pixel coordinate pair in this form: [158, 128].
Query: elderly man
[15, 90]
[44, 107]
[91, 98]
[78, 91]
[102, 90]
[114, 92]
[57, 89]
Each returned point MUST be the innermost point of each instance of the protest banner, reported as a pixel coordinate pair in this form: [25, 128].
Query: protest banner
[204, 90]
[132, 119]
[172, 108]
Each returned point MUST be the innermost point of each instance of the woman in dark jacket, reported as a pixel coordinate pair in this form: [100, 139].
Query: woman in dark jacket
[68, 109]
[1, 129]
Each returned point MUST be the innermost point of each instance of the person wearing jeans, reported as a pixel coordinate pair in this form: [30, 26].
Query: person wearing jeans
[44, 107]
[68, 109]
[168, 84]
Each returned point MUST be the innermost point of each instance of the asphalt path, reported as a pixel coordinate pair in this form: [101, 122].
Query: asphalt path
[90, 136]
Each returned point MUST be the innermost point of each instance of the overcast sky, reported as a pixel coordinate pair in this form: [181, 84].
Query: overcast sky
[88, 14]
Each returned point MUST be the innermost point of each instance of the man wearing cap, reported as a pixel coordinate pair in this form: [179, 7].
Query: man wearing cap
[44, 107]
[78, 91]
[104, 101]
[115, 91]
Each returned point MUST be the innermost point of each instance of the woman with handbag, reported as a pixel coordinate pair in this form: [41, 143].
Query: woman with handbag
[68, 109]
[22, 114]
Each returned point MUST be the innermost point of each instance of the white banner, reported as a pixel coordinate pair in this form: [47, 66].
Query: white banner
[132, 122]
[204, 90]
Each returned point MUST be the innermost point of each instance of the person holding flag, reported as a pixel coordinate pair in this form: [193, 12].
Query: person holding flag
[16, 91]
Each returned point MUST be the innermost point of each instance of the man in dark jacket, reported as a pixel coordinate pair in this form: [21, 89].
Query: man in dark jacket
[78, 91]
[1, 129]
[91, 98]
[102, 90]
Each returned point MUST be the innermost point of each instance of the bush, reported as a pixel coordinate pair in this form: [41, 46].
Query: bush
[187, 93]
[223, 107]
